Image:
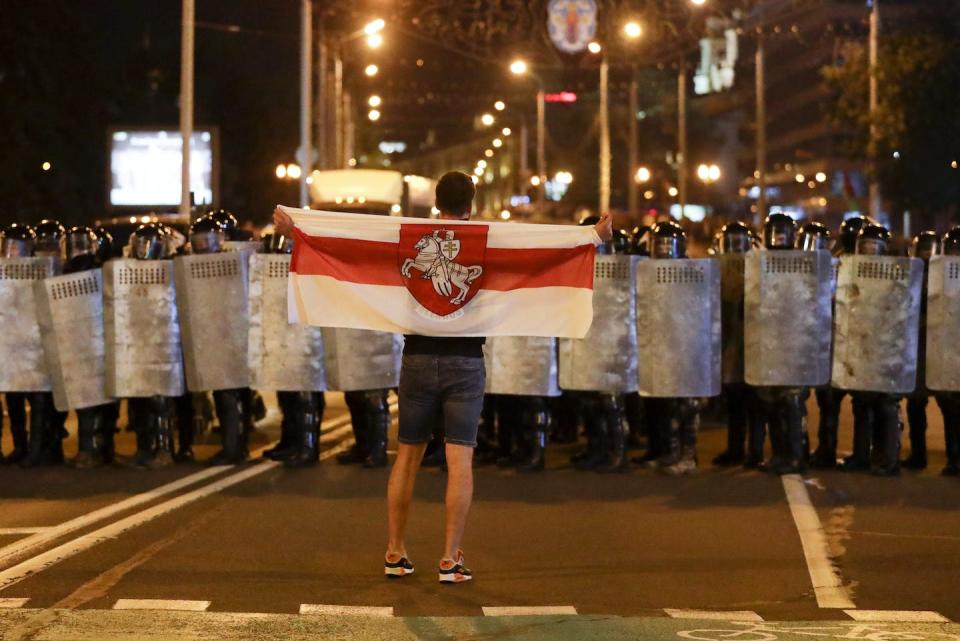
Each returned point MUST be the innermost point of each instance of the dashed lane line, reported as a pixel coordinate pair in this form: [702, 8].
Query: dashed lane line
[12, 603]
[161, 604]
[897, 616]
[827, 584]
[345, 610]
[714, 615]
[45, 560]
[9, 531]
[528, 610]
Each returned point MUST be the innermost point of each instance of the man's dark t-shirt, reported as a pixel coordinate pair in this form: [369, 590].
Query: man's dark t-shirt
[443, 346]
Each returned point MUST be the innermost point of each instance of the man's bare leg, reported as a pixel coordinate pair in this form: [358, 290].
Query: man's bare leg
[459, 495]
[399, 494]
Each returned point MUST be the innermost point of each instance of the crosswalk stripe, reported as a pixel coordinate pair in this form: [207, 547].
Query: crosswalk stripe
[714, 615]
[161, 604]
[346, 610]
[10, 603]
[897, 616]
[528, 610]
[10, 531]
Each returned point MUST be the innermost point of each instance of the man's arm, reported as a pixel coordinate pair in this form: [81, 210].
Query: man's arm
[282, 223]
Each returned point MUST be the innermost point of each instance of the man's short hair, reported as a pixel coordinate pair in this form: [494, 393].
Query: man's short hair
[455, 192]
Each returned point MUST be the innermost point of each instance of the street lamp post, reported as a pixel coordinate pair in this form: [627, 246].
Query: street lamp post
[186, 103]
[874, 187]
[604, 205]
[341, 125]
[682, 137]
[306, 105]
[520, 68]
[632, 187]
[761, 132]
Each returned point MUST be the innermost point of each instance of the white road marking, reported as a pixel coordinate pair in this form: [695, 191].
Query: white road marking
[161, 604]
[43, 561]
[12, 603]
[897, 616]
[346, 610]
[827, 585]
[528, 610]
[24, 530]
[714, 615]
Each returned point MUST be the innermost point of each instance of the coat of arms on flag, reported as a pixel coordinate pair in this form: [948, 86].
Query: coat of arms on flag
[442, 267]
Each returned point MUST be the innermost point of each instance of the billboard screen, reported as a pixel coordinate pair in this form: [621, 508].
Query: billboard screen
[145, 167]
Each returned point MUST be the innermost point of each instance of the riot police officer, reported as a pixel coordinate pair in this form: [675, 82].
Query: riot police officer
[18, 242]
[830, 398]
[677, 419]
[784, 406]
[925, 245]
[949, 402]
[94, 431]
[207, 236]
[882, 456]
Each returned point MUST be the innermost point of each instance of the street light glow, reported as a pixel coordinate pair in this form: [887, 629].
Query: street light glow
[488, 153]
[374, 101]
[505, 215]
[293, 171]
[564, 177]
[673, 192]
[497, 143]
[487, 119]
[46, 165]
[535, 181]
[708, 173]
[371, 70]
[800, 178]
[642, 175]
[499, 105]
[374, 26]
[594, 47]
[374, 115]
[518, 67]
[698, 3]
[374, 41]
[633, 30]
[713, 173]
[482, 164]
[821, 177]
[478, 171]
[506, 132]
[281, 171]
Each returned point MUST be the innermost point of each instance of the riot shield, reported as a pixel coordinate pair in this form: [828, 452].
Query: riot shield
[678, 320]
[21, 347]
[943, 324]
[282, 356]
[70, 312]
[358, 359]
[788, 318]
[214, 320]
[521, 365]
[731, 316]
[605, 360]
[877, 324]
[141, 328]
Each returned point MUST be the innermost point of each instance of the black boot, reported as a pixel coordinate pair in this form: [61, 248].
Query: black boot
[358, 420]
[286, 446]
[917, 418]
[736, 427]
[536, 423]
[863, 420]
[617, 436]
[794, 455]
[16, 410]
[144, 428]
[231, 428]
[308, 437]
[889, 428]
[596, 422]
[163, 433]
[378, 422]
[90, 425]
[43, 431]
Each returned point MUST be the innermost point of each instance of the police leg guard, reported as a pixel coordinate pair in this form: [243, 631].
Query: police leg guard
[307, 432]
[653, 415]
[43, 430]
[17, 412]
[378, 423]
[142, 425]
[286, 446]
[617, 432]
[889, 427]
[509, 430]
[185, 428]
[89, 438]
[825, 456]
[917, 418]
[950, 409]
[161, 416]
[794, 456]
[597, 437]
[688, 415]
[736, 427]
[863, 422]
[358, 421]
[633, 413]
[227, 403]
[536, 422]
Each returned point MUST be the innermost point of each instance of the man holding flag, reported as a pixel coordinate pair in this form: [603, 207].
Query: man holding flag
[445, 286]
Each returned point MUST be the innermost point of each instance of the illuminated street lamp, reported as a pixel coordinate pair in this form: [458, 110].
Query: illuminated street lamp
[374, 101]
[371, 70]
[488, 153]
[518, 67]
[499, 105]
[506, 132]
[374, 26]
[564, 177]
[373, 115]
[293, 171]
[482, 164]
[594, 47]
[281, 171]
[698, 3]
[708, 173]
[497, 143]
[632, 30]
[642, 175]
[487, 119]
[374, 41]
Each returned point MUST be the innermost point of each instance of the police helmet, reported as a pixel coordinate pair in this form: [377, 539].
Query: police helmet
[813, 236]
[18, 241]
[669, 240]
[779, 231]
[951, 242]
[148, 242]
[849, 230]
[925, 244]
[80, 241]
[207, 236]
[226, 220]
[873, 240]
[735, 238]
[49, 233]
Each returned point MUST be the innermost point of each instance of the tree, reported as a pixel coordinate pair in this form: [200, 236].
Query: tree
[918, 133]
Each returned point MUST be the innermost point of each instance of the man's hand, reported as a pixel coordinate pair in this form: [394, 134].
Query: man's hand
[282, 223]
[604, 228]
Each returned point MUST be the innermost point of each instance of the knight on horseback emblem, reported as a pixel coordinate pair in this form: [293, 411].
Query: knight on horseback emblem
[435, 259]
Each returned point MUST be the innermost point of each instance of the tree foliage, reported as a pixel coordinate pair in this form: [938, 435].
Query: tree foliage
[916, 123]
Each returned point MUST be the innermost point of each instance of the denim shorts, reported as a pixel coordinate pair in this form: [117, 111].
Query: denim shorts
[442, 391]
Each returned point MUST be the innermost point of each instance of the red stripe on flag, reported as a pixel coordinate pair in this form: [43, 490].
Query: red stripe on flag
[368, 262]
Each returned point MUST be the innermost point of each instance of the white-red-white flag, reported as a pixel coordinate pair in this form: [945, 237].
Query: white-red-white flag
[441, 277]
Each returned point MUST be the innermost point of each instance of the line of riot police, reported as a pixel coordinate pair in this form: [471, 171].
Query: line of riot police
[163, 326]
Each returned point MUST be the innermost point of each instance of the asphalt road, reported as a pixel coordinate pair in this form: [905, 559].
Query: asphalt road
[610, 555]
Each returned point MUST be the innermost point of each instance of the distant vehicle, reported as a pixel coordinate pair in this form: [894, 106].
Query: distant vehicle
[372, 191]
